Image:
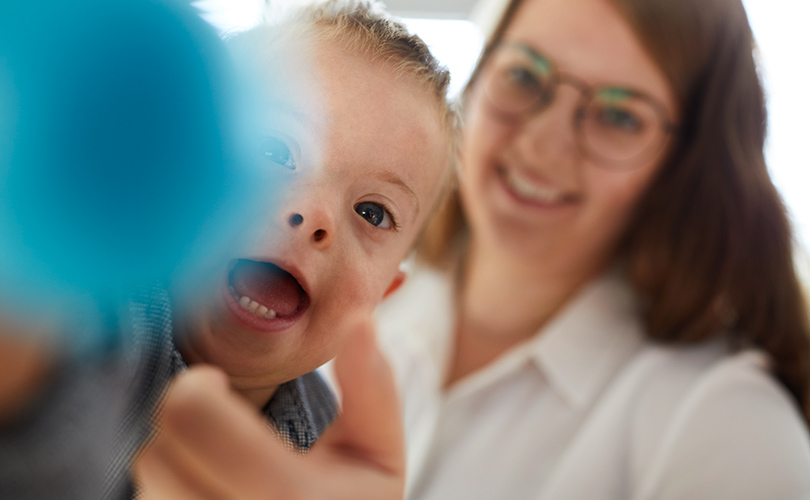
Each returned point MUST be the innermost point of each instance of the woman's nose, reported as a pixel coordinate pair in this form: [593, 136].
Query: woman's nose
[550, 135]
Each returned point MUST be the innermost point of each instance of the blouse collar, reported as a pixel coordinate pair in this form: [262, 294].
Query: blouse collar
[584, 346]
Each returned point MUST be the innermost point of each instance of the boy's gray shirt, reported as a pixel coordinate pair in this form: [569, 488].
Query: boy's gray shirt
[80, 437]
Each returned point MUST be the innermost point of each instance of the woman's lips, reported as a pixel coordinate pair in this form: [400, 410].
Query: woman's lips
[528, 192]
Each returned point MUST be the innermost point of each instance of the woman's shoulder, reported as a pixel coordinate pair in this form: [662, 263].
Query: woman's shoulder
[414, 325]
[424, 298]
[679, 381]
[712, 422]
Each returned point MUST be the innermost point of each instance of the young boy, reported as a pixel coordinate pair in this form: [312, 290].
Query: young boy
[365, 168]
[367, 149]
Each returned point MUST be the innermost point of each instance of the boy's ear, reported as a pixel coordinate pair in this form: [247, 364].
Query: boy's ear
[397, 282]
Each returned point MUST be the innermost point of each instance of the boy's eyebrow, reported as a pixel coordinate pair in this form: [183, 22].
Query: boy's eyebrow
[280, 108]
[393, 178]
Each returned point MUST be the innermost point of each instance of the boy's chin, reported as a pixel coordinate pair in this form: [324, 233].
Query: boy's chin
[266, 383]
[249, 369]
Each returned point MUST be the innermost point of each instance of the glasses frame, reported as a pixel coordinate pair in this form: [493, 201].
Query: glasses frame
[587, 93]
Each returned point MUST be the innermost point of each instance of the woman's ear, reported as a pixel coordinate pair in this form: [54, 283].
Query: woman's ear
[458, 148]
[398, 280]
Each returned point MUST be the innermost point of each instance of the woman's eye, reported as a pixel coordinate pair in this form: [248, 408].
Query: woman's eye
[520, 82]
[375, 214]
[524, 78]
[619, 119]
[277, 151]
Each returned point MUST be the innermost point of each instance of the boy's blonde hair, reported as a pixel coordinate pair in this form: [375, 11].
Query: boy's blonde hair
[367, 29]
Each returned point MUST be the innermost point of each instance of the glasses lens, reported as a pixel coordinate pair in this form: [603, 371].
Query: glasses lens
[518, 80]
[620, 125]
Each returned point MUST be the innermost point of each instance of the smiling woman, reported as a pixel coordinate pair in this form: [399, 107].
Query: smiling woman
[584, 321]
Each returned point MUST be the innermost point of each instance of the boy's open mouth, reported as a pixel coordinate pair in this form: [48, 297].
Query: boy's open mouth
[266, 290]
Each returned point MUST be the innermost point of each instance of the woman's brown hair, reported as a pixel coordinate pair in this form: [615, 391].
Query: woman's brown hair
[710, 247]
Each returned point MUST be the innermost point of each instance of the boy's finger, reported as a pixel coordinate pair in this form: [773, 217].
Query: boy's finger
[159, 474]
[370, 426]
[222, 441]
[167, 467]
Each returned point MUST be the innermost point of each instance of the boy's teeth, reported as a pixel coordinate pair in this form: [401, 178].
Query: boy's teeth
[259, 310]
[530, 190]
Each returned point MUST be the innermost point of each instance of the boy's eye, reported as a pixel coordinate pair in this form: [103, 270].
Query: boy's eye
[277, 151]
[374, 213]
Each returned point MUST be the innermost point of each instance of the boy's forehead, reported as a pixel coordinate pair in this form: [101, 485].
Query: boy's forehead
[362, 116]
[294, 91]
[385, 117]
[376, 95]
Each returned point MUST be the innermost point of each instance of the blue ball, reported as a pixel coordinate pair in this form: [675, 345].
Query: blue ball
[126, 148]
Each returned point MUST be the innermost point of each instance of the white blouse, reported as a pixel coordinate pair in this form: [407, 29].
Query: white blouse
[588, 409]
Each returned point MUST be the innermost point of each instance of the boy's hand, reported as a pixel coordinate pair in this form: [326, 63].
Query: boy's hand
[26, 366]
[212, 444]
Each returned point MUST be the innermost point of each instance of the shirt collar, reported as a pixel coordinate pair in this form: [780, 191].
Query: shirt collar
[301, 409]
[590, 340]
[577, 352]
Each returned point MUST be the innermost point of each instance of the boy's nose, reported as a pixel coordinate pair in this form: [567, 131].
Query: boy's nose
[296, 220]
[317, 223]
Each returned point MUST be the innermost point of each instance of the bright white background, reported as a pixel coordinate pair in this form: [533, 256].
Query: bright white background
[783, 37]
[782, 31]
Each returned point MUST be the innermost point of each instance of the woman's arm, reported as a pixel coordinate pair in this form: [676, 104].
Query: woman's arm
[736, 435]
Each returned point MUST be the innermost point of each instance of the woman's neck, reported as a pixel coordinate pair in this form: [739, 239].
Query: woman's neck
[503, 301]
[509, 297]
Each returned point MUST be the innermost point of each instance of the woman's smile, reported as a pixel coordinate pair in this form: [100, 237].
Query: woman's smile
[530, 190]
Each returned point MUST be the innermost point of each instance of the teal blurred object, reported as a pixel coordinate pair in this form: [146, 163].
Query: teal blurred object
[126, 152]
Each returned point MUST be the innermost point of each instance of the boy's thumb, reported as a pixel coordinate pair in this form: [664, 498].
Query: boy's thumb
[370, 426]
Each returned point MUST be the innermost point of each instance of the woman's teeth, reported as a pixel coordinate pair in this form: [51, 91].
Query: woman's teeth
[527, 189]
[254, 307]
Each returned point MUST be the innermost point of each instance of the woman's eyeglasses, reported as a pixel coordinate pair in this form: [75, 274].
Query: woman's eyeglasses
[618, 127]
